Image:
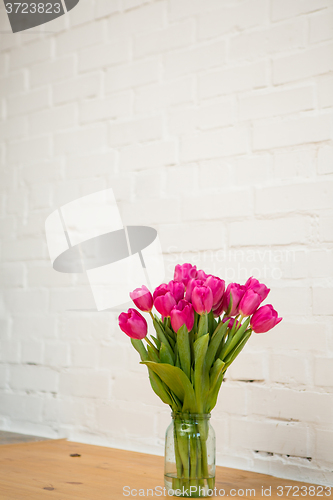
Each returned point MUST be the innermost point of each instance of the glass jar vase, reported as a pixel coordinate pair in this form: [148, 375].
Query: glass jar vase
[189, 468]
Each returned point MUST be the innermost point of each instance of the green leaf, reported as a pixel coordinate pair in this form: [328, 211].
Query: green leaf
[211, 322]
[215, 372]
[213, 394]
[158, 387]
[171, 333]
[161, 335]
[152, 354]
[178, 382]
[215, 342]
[139, 346]
[203, 325]
[165, 355]
[157, 342]
[234, 353]
[184, 351]
[201, 376]
[234, 339]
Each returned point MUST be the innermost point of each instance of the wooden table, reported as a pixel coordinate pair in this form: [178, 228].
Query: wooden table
[48, 470]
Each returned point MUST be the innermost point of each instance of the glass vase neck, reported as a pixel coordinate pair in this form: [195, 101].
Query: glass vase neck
[190, 416]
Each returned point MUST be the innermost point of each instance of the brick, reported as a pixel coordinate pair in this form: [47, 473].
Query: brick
[9, 349]
[184, 237]
[163, 212]
[234, 400]
[105, 8]
[53, 119]
[320, 263]
[326, 228]
[233, 18]
[124, 77]
[285, 438]
[290, 404]
[77, 38]
[109, 416]
[205, 145]
[180, 9]
[41, 275]
[265, 104]
[29, 102]
[43, 326]
[251, 169]
[217, 207]
[36, 378]
[231, 80]
[277, 133]
[282, 9]
[32, 352]
[125, 383]
[323, 445]
[325, 160]
[321, 26]
[250, 367]
[82, 87]
[147, 18]
[325, 94]
[13, 84]
[21, 406]
[51, 72]
[298, 196]
[299, 162]
[143, 156]
[143, 130]
[323, 373]
[115, 106]
[261, 43]
[153, 98]
[56, 354]
[29, 150]
[94, 165]
[289, 369]
[88, 139]
[175, 36]
[310, 62]
[196, 59]
[12, 275]
[322, 300]
[84, 383]
[31, 53]
[112, 356]
[27, 302]
[270, 232]
[102, 56]
[14, 128]
[215, 115]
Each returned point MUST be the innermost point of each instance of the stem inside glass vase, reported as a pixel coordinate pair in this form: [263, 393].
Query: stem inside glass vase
[190, 455]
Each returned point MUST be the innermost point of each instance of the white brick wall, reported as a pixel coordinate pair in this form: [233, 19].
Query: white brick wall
[211, 121]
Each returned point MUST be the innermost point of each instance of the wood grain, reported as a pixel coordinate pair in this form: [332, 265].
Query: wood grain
[46, 470]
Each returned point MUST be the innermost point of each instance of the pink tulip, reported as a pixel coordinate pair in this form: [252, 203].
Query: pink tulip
[177, 289]
[236, 291]
[165, 303]
[257, 287]
[264, 319]
[250, 301]
[201, 275]
[185, 272]
[189, 289]
[217, 286]
[202, 299]
[160, 290]
[182, 314]
[218, 309]
[133, 324]
[142, 298]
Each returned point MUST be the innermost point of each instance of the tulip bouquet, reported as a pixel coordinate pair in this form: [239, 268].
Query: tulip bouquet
[202, 328]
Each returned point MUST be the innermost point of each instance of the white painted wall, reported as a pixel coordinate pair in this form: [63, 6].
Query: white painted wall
[212, 121]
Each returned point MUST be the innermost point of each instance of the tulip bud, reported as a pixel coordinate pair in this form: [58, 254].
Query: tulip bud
[160, 290]
[165, 303]
[257, 287]
[217, 286]
[236, 291]
[142, 298]
[182, 314]
[249, 302]
[231, 322]
[177, 289]
[264, 319]
[202, 299]
[133, 324]
[189, 289]
[185, 272]
[201, 275]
